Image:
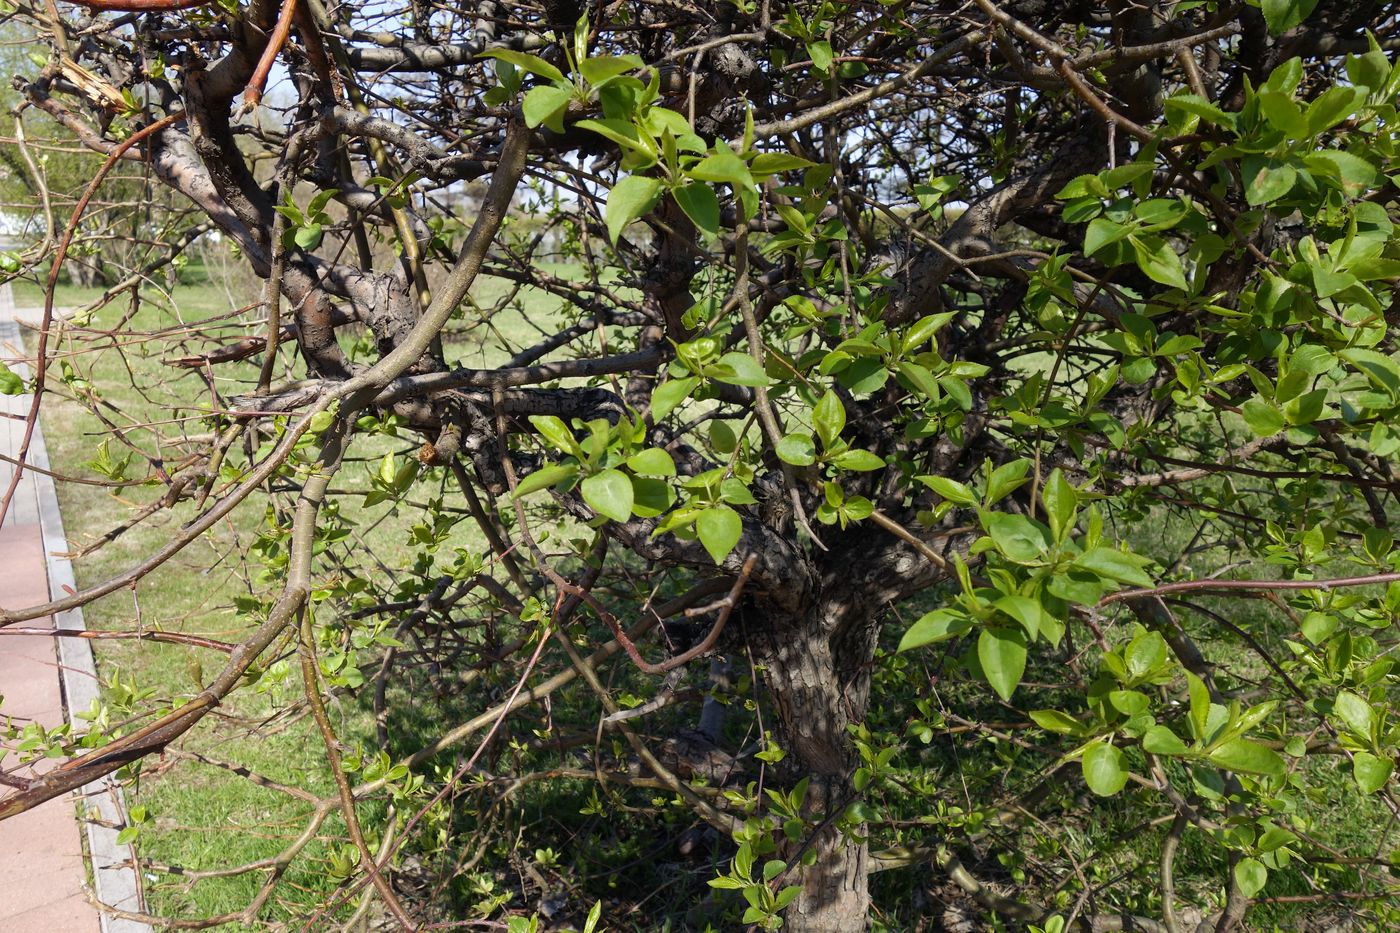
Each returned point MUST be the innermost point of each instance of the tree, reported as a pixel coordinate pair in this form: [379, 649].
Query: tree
[925, 360]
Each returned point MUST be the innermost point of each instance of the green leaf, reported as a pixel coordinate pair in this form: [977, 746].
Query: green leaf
[1023, 609]
[723, 166]
[740, 369]
[1103, 769]
[1159, 261]
[770, 163]
[700, 205]
[1266, 179]
[938, 625]
[526, 62]
[1002, 654]
[1250, 874]
[1060, 501]
[1195, 104]
[1355, 712]
[1283, 113]
[949, 489]
[629, 199]
[722, 437]
[619, 131]
[1019, 538]
[1371, 771]
[719, 528]
[1146, 653]
[1102, 232]
[797, 449]
[556, 432]
[1159, 740]
[1332, 107]
[829, 417]
[1006, 479]
[668, 395]
[1114, 564]
[919, 378]
[10, 382]
[1248, 757]
[1282, 15]
[609, 493]
[651, 497]
[1052, 720]
[858, 460]
[1263, 418]
[924, 330]
[542, 103]
[821, 54]
[652, 462]
[1354, 172]
[604, 68]
[1199, 695]
[308, 237]
[544, 477]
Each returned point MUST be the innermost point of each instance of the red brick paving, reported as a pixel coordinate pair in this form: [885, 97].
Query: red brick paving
[42, 870]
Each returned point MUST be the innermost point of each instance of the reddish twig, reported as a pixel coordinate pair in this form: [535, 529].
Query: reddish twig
[174, 638]
[1249, 586]
[252, 94]
[690, 654]
[40, 354]
[137, 6]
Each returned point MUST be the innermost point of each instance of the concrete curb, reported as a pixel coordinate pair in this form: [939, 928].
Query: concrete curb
[116, 880]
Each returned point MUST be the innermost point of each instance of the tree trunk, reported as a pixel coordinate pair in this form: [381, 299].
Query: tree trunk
[87, 271]
[818, 675]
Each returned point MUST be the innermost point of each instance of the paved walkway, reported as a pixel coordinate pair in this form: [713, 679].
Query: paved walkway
[43, 874]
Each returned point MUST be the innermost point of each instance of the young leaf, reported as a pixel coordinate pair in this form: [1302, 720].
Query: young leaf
[526, 62]
[10, 382]
[544, 477]
[698, 201]
[1266, 179]
[938, 625]
[1371, 772]
[829, 417]
[670, 394]
[1103, 768]
[543, 103]
[797, 449]
[609, 493]
[1281, 16]
[1061, 501]
[1114, 565]
[652, 462]
[719, 528]
[1251, 876]
[629, 199]
[1052, 720]
[1248, 757]
[1002, 654]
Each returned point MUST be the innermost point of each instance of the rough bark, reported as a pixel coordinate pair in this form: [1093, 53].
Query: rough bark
[818, 677]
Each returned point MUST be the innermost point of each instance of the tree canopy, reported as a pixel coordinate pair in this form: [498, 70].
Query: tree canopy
[928, 464]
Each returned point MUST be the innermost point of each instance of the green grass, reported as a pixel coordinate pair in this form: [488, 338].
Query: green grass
[203, 817]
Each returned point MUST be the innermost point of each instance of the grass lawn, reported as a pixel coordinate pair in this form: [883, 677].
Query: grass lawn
[202, 816]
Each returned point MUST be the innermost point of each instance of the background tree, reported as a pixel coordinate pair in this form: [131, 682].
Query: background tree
[1031, 340]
